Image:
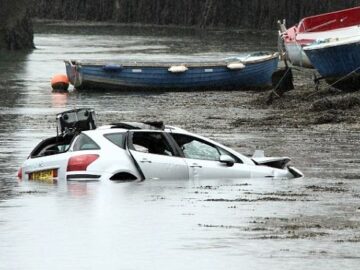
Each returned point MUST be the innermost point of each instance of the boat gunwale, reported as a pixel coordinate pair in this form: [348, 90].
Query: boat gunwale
[301, 26]
[223, 63]
[332, 43]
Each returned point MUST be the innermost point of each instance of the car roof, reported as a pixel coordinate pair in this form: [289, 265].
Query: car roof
[153, 125]
[109, 129]
[116, 128]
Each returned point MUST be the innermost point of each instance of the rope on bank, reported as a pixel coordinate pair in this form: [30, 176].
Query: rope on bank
[317, 81]
[284, 84]
[346, 76]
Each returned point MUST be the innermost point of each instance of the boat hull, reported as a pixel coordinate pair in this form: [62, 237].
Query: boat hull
[338, 24]
[337, 62]
[204, 77]
[297, 56]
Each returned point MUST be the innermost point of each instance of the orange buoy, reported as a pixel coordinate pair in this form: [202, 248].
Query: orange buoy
[60, 82]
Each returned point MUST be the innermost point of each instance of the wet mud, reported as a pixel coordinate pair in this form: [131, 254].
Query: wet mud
[340, 225]
[308, 105]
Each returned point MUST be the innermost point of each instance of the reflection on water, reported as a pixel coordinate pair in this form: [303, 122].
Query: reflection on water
[310, 223]
[59, 100]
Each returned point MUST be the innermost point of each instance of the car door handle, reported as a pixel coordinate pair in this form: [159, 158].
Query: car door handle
[195, 166]
[145, 161]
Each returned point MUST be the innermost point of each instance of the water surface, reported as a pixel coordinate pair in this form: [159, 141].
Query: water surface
[312, 223]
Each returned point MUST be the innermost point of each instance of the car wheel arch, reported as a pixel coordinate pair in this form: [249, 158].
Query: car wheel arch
[124, 176]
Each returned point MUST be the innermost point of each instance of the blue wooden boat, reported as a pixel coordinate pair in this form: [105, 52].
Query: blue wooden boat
[252, 71]
[338, 61]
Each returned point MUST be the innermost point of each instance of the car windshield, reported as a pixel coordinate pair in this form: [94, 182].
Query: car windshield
[51, 146]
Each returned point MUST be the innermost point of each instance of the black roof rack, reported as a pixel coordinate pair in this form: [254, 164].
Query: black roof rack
[72, 122]
[154, 125]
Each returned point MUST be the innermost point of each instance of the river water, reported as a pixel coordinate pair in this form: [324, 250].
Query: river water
[311, 223]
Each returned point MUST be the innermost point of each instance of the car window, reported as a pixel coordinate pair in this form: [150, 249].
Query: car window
[196, 149]
[152, 143]
[51, 146]
[84, 142]
[116, 138]
[53, 149]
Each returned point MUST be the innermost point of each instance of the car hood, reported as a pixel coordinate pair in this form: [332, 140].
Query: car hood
[275, 162]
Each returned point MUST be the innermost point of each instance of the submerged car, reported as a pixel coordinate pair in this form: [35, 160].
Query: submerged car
[130, 151]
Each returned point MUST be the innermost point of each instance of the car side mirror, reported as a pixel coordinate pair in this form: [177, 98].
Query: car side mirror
[229, 161]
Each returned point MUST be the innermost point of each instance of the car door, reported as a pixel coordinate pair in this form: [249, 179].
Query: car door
[203, 159]
[156, 157]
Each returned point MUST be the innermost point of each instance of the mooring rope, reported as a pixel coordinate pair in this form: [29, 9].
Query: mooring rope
[282, 78]
[331, 85]
[344, 77]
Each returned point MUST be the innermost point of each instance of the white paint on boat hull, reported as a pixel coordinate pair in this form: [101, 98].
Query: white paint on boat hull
[297, 55]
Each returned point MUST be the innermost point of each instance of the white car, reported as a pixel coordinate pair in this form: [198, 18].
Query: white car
[130, 151]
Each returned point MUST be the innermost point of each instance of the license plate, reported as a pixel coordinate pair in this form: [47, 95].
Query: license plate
[46, 176]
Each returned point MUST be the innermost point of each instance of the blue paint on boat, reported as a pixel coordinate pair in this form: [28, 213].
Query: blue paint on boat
[338, 61]
[255, 73]
[112, 67]
[335, 59]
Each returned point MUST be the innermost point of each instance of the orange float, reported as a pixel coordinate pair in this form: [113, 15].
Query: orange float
[60, 82]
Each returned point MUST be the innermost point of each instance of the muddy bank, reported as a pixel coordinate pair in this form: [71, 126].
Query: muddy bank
[306, 106]
[311, 223]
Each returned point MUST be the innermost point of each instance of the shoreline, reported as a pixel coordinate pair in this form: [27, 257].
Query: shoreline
[78, 23]
[305, 107]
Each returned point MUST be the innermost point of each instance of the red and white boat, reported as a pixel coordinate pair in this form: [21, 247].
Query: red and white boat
[339, 24]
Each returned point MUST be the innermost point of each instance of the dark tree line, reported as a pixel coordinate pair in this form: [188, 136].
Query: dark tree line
[15, 25]
[257, 14]
[16, 30]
